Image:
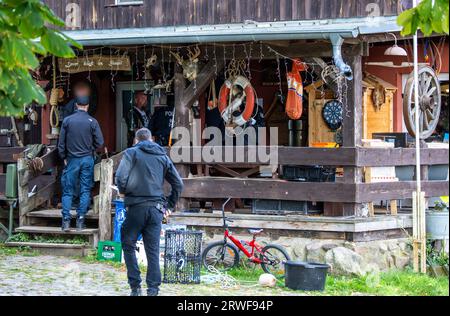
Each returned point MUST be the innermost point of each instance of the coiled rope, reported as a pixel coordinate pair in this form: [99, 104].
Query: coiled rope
[217, 277]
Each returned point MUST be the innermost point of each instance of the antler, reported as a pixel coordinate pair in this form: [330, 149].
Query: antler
[194, 54]
[178, 57]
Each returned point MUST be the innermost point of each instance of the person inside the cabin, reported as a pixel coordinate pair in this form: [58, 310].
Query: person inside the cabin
[161, 120]
[140, 180]
[81, 89]
[79, 139]
[138, 115]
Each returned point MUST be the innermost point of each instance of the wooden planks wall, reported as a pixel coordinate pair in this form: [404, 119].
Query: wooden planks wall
[103, 14]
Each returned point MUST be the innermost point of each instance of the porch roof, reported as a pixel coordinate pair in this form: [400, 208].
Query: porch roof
[237, 32]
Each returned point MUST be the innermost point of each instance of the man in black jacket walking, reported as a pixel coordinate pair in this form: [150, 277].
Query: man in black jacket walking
[80, 137]
[140, 178]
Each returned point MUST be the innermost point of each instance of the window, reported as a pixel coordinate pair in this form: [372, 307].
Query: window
[129, 2]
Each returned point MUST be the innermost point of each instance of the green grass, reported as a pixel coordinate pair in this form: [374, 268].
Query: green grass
[12, 251]
[23, 237]
[394, 283]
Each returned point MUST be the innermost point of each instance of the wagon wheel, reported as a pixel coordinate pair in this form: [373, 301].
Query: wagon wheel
[429, 103]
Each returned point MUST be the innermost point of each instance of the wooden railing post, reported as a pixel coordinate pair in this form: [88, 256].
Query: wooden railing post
[352, 130]
[105, 199]
[22, 191]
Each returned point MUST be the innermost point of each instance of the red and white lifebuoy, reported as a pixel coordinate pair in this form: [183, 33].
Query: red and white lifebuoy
[226, 107]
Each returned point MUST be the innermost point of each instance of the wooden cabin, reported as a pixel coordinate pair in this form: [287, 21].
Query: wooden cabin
[267, 35]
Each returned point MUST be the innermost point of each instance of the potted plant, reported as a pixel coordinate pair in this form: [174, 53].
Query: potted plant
[437, 259]
[438, 221]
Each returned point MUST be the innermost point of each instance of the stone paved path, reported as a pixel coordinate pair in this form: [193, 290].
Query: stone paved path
[56, 276]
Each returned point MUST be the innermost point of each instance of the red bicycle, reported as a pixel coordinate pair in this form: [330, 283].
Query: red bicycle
[224, 255]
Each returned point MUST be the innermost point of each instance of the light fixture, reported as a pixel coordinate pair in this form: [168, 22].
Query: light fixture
[395, 50]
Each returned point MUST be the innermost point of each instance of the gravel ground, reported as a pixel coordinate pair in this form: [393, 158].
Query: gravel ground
[58, 276]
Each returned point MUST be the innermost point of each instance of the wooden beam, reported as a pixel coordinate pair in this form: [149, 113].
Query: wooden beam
[217, 188]
[50, 160]
[344, 156]
[297, 222]
[22, 194]
[7, 154]
[383, 157]
[104, 212]
[285, 155]
[40, 197]
[368, 192]
[352, 129]
[204, 78]
[181, 120]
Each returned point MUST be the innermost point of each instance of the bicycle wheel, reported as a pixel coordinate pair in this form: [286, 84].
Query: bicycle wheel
[220, 255]
[273, 258]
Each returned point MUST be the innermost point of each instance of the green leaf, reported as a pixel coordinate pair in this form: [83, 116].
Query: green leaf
[426, 28]
[37, 48]
[445, 24]
[430, 18]
[32, 24]
[405, 17]
[50, 16]
[56, 44]
[424, 9]
[6, 79]
[16, 51]
[21, 21]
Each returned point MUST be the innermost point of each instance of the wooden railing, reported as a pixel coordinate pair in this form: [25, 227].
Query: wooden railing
[354, 192]
[103, 173]
[202, 187]
[357, 192]
[35, 189]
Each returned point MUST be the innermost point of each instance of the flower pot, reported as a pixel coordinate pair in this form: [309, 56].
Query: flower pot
[437, 225]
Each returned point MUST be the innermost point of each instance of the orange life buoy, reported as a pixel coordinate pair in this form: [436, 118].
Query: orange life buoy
[226, 107]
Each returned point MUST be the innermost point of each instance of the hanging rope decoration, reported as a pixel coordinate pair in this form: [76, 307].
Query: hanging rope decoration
[54, 97]
[328, 73]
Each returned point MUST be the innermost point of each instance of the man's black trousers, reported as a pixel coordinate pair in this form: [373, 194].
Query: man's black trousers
[146, 220]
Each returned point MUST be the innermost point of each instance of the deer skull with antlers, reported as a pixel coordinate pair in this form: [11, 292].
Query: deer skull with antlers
[190, 65]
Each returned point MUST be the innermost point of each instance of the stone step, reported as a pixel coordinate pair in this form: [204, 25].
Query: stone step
[65, 250]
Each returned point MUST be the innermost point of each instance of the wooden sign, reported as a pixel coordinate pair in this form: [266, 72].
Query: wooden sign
[94, 63]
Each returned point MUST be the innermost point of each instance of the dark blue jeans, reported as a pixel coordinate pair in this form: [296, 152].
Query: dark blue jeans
[145, 220]
[78, 170]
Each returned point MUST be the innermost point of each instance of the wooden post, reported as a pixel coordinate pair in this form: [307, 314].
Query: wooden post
[181, 120]
[352, 128]
[22, 191]
[106, 180]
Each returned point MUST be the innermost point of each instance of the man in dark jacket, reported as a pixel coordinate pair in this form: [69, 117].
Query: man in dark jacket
[140, 178]
[80, 137]
[138, 117]
[81, 89]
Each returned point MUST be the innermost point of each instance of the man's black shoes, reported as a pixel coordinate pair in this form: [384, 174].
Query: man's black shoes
[65, 227]
[152, 293]
[136, 292]
[80, 223]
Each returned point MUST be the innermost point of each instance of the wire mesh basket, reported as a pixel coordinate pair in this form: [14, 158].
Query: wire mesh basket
[182, 257]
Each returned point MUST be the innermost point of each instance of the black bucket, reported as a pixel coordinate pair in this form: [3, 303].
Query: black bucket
[304, 276]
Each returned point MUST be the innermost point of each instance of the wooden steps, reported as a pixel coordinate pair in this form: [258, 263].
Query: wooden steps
[55, 213]
[92, 233]
[65, 250]
[55, 230]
